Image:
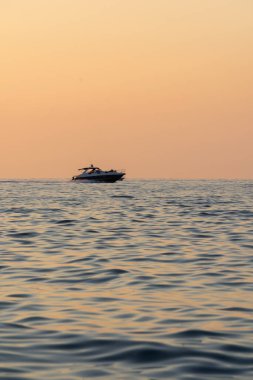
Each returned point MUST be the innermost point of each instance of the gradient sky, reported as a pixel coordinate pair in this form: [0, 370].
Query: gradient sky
[161, 88]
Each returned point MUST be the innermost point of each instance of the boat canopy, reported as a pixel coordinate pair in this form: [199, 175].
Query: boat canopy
[90, 167]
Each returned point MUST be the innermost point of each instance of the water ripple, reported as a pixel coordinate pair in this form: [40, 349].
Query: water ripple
[134, 280]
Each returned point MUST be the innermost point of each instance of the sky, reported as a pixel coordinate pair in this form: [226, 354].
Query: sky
[161, 88]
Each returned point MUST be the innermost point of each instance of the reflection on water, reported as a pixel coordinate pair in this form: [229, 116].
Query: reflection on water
[141, 279]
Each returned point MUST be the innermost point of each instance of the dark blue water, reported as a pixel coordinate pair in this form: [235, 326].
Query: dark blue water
[132, 280]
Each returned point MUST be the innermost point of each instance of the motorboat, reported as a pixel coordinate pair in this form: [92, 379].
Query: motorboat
[95, 174]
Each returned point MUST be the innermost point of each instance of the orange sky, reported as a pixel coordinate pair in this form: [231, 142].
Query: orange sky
[161, 88]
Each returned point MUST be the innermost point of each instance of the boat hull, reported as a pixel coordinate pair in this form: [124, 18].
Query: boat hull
[100, 178]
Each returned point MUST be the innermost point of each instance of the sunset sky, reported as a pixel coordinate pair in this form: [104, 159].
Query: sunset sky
[161, 88]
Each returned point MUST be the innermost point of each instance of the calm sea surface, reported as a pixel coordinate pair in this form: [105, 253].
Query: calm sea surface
[132, 280]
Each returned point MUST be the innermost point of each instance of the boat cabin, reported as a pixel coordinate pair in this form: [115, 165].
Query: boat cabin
[91, 169]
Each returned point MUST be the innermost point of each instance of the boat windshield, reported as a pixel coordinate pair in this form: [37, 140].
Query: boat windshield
[89, 171]
[92, 170]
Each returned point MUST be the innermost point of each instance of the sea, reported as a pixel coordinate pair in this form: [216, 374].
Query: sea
[140, 279]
